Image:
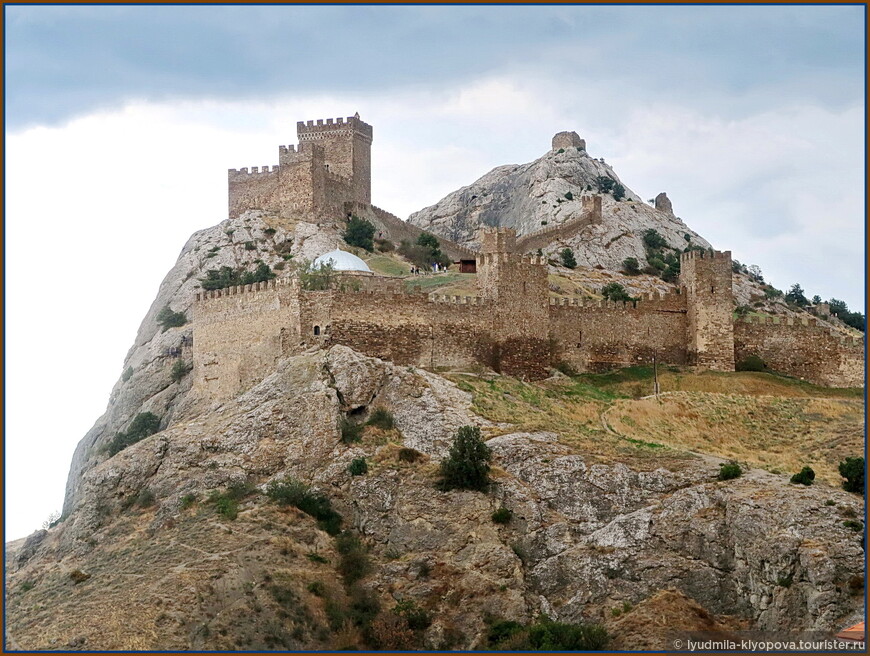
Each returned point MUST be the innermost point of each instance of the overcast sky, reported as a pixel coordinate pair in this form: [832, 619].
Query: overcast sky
[122, 121]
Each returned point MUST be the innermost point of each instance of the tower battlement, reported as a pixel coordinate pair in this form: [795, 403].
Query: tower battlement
[327, 128]
[498, 240]
[708, 255]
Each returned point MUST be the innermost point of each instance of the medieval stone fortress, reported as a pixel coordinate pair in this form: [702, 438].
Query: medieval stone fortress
[511, 326]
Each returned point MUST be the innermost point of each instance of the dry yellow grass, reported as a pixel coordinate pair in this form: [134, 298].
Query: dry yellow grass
[780, 434]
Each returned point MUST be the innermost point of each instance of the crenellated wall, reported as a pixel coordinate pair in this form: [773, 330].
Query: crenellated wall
[602, 335]
[806, 349]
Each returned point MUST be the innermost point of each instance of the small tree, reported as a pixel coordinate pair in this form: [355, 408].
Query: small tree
[795, 296]
[317, 277]
[360, 232]
[631, 266]
[613, 291]
[653, 239]
[816, 299]
[852, 469]
[568, 260]
[467, 465]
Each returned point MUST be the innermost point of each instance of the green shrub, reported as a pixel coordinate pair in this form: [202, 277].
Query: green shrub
[169, 319]
[385, 245]
[631, 266]
[359, 232]
[27, 586]
[854, 525]
[568, 259]
[226, 503]
[785, 581]
[250, 246]
[142, 426]
[547, 635]
[418, 619]
[613, 291]
[467, 465]
[180, 369]
[795, 296]
[742, 310]
[316, 588]
[358, 467]
[290, 492]
[316, 558]
[751, 363]
[381, 418]
[804, 477]
[353, 558]
[729, 470]
[269, 232]
[569, 196]
[852, 469]
[145, 498]
[128, 373]
[350, 430]
[187, 501]
[409, 455]
[502, 515]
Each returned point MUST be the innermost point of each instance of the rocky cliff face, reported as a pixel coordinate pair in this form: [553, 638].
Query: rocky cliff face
[585, 536]
[146, 384]
[549, 192]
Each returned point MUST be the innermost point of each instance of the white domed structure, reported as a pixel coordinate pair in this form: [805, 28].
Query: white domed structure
[343, 261]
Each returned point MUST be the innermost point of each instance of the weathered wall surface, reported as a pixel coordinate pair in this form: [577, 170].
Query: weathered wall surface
[804, 350]
[413, 328]
[238, 334]
[602, 335]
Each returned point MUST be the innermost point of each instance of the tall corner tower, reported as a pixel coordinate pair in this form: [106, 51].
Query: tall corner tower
[705, 277]
[347, 145]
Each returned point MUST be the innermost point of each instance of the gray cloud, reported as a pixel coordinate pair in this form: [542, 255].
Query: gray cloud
[64, 61]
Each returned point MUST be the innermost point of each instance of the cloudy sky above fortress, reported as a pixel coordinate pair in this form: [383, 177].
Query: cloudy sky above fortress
[122, 121]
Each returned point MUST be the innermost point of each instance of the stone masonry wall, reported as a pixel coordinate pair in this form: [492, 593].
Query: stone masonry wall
[414, 329]
[805, 350]
[238, 335]
[601, 335]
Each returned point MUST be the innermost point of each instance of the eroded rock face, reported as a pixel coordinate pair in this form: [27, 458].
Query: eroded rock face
[549, 192]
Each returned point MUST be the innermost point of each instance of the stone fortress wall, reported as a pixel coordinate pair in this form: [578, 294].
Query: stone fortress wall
[511, 326]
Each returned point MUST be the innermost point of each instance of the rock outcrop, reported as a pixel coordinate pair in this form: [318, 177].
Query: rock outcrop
[549, 192]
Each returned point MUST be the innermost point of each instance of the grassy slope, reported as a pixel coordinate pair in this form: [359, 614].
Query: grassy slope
[762, 420]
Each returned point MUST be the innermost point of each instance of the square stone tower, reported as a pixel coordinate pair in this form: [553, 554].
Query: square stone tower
[517, 287]
[347, 145]
[705, 278]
